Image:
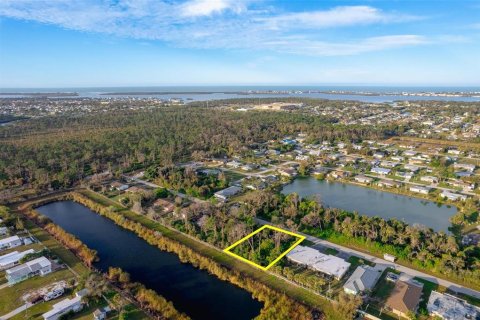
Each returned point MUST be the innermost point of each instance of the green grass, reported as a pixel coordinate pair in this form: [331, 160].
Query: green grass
[53, 245]
[228, 261]
[357, 261]
[10, 297]
[233, 176]
[428, 287]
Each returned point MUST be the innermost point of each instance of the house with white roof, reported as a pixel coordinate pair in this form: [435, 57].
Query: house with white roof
[37, 267]
[420, 189]
[318, 261]
[362, 280]
[225, 194]
[453, 196]
[448, 307]
[11, 259]
[10, 242]
[65, 306]
[381, 171]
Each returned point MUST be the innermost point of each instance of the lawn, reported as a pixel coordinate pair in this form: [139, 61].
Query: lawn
[357, 261]
[11, 297]
[428, 287]
[230, 262]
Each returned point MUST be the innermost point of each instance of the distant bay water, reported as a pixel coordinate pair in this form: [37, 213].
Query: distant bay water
[206, 93]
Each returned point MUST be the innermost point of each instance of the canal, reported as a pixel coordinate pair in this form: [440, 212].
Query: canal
[374, 202]
[193, 291]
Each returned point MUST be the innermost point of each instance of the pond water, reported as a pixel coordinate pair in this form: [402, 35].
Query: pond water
[193, 291]
[374, 202]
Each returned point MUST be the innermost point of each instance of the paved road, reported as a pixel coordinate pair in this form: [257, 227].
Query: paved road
[16, 311]
[384, 263]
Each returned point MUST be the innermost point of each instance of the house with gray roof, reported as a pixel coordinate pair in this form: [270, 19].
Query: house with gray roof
[37, 267]
[362, 280]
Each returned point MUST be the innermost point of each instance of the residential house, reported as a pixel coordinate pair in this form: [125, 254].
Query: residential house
[448, 307]
[116, 185]
[404, 298]
[233, 164]
[379, 155]
[363, 179]
[409, 153]
[165, 206]
[471, 239]
[65, 306]
[465, 166]
[10, 242]
[11, 259]
[225, 194]
[318, 261]
[337, 174]
[362, 280]
[389, 164]
[420, 189]
[288, 172]
[467, 186]
[381, 171]
[411, 168]
[453, 196]
[429, 179]
[389, 184]
[40, 266]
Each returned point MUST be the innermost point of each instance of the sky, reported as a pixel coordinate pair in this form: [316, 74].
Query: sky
[88, 43]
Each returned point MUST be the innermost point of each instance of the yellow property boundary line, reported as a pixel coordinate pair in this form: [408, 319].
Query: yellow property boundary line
[227, 250]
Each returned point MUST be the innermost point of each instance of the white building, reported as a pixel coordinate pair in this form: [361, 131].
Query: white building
[465, 166]
[225, 194]
[10, 242]
[362, 280]
[318, 261]
[420, 189]
[11, 259]
[37, 267]
[66, 305]
[429, 179]
[381, 171]
[363, 179]
[453, 196]
[448, 307]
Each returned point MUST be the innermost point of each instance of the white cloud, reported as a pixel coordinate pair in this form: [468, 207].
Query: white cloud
[196, 8]
[335, 17]
[226, 24]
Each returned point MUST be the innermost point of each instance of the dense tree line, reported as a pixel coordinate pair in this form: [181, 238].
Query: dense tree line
[147, 298]
[87, 255]
[57, 151]
[276, 305]
[187, 180]
[426, 249]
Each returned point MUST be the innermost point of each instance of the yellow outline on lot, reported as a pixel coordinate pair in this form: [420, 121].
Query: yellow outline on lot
[301, 238]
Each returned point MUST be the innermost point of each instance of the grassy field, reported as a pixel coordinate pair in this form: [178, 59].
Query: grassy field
[11, 297]
[269, 279]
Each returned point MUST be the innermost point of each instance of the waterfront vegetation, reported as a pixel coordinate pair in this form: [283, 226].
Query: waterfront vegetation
[433, 252]
[149, 300]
